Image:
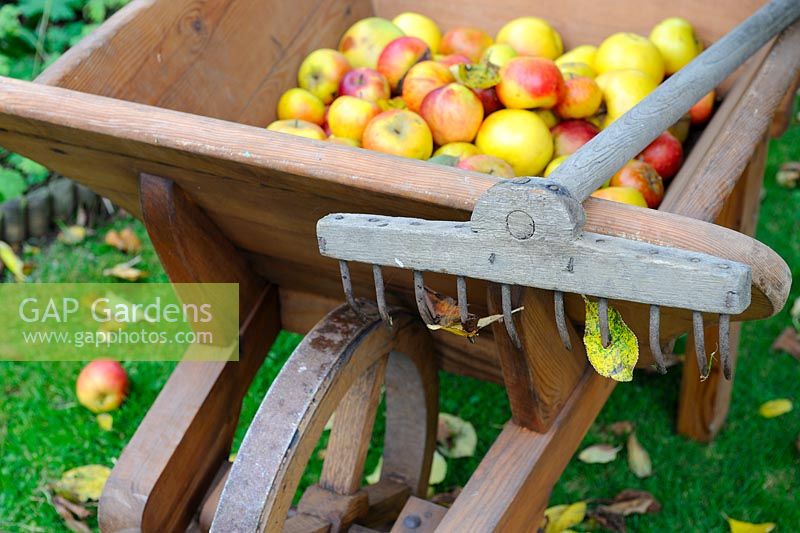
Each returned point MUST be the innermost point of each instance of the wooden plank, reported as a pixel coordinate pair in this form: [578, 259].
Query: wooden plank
[210, 501]
[163, 473]
[266, 176]
[304, 523]
[511, 487]
[540, 377]
[386, 500]
[184, 54]
[419, 516]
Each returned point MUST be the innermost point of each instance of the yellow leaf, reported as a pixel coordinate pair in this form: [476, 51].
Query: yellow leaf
[438, 469]
[457, 436]
[599, 453]
[737, 526]
[105, 421]
[562, 517]
[72, 234]
[774, 408]
[83, 484]
[638, 458]
[126, 271]
[14, 263]
[375, 476]
[618, 360]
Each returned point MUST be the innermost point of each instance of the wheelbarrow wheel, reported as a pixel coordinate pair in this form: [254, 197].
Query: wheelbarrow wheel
[339, 366]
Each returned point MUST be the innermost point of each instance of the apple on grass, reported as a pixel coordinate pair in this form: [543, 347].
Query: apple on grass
[348, 116]
[399, 132]
[453, 112]
[421, 79]
[320, 73]
[102, 386]
[298, 127]
[398, 57]
[665, 155]
[365, 83]
[528, 82]
[570, 135]
[642, 177]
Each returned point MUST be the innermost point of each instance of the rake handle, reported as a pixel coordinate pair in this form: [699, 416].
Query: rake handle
[599, 159]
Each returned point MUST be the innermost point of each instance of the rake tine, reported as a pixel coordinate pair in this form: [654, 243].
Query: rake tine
[724, 344]
[347, 284]
[561, 320]
[602, 311]
[419, 294]
[655, 338]
[461, 284]
[700, 342]
[508, 317]
[380, 295]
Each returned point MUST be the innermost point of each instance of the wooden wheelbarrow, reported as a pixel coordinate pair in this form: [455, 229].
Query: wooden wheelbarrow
[162, 111]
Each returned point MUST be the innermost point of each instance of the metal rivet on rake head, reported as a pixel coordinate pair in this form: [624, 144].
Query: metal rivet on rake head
[602, 315]
[508, 318]
[419, 294]
[561, 320]
[347, 284]
[725, 345]
[700, 342]
[655, 338]
[461, 287]
[380, 295]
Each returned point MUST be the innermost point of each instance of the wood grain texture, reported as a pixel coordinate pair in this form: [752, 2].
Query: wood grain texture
[187, 433]
[301, 400]
[419, 516]
[539, 378]
[266, 176]
[212, 58]
[511, 487]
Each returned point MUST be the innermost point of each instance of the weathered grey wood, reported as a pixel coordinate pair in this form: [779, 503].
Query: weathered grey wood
[38, 212]
[600, 158]
[524, 232]
[15, 227]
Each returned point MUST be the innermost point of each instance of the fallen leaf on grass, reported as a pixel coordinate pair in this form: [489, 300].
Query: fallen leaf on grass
[774, 408]
[12, 261]
[105, 421]
[599, 453]
[72, 514]
[623, 427]
[124, 241]
[560, 518]
[126, 271]
[618, 360]
[795, 314]
[788, 175]
[609, 521]
[788, 341]
[737, 526]
[72, 235]
[638, 458]
[456, 437]
[630, 502]
[82, 484]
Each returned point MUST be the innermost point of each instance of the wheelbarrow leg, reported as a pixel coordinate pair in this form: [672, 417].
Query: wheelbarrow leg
[163, 473]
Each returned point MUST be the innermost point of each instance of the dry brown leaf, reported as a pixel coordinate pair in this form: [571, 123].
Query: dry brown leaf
[446, 316]
[788, 175]
[599, 453]
[126, 271]
[72, 514]
[630, 502]
[788, 341]
[124, 241]
[638, 458]
[623, 427]
[610, 521]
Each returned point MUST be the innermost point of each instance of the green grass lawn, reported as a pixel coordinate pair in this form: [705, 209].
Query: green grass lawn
[750, 472]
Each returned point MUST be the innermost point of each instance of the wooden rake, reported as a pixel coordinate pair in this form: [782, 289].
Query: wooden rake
[529, 231]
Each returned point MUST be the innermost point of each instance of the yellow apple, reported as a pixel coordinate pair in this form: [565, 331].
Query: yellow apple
[300, 103]
[460, 150]
[469, 42]
[624, 195]
[531, 36]
[348, 116]
[364, 41]
[548, 117]
[498, 54]
[519, 137]
[298, 127]
[571, 70]
[343, 140]
[584, 53]
[581, 99]
[624, 51]
[623, 89]
[678, 43]
[320, 73]
[487, 164]
[421, 27]
[552, 165]
[399, 132]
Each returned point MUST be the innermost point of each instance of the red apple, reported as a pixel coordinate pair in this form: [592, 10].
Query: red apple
[490, 100]
[102, 386]
[398, 57]
[470, 42]
[570, 135]
[642, 177]
[365, 83]
[422, 79]
[701, 111]
[581, 99]
[453, 59]
[487, 164]
[528, 82]
[453, 112]
[665, 154]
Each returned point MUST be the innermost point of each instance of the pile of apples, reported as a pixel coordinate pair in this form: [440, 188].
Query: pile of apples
[512, 105]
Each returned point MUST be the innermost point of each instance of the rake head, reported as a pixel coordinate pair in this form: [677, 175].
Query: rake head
[528, 232]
